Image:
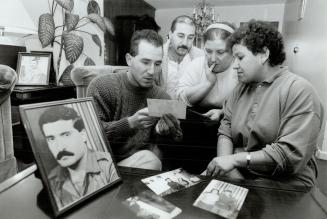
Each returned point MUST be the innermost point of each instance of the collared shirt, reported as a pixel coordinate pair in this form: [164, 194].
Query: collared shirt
[195, 74]
[281, 116]
[171, 71]
[174, 74]
[100, 171]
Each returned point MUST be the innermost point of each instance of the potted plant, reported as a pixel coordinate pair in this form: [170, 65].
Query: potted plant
[70, 42]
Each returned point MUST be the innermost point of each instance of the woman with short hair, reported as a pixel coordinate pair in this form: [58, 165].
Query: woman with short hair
[209, 79]
[273, 117]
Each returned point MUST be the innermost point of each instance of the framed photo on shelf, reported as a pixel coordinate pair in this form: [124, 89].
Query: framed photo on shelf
[71, 150]
[33, 68]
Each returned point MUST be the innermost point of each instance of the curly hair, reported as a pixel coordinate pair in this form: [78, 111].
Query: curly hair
[257, 36]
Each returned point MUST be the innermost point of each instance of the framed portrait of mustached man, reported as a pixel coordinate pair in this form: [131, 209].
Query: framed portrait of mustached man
[71, 150]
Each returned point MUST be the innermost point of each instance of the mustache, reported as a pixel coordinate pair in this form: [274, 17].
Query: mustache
[182, 47]
[64, 153]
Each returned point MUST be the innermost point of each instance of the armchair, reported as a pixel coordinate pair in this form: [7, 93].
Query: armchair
[8, 165]
[82, 75]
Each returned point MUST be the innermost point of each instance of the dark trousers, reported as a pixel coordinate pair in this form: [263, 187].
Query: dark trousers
[198, 147]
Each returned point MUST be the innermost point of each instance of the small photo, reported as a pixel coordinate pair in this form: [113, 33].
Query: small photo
[33, 68]
[149, 205]
[172, 181]
[222, 198]
[70, 149]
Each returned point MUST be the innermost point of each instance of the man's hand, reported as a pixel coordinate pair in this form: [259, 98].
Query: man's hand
[141, 119]
[169, 125]
[220, 166]
[214, 114]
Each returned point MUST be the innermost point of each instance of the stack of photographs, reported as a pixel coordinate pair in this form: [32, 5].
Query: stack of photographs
[222, 198]
[172, 181]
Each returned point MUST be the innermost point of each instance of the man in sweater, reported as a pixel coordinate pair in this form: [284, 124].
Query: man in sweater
[121, 101]
[178, 53]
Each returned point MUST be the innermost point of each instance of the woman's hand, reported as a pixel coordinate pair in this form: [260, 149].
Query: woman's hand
[220, 166]
[214, 114]
[211, 77]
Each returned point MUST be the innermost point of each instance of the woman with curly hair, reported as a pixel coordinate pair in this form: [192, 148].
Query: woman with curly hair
[273, 117]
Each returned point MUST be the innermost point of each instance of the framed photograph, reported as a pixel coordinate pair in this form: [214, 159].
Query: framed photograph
[71, 150]
[33, 68]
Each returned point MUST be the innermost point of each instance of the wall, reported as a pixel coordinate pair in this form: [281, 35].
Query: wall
[310, 36]
[235, 14]
[37, 7]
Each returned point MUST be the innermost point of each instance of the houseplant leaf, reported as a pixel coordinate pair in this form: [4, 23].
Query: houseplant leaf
[71, 20]
[98, 20]
[66, 4]
[88, 62]
[73, 46]
[93, 7]
[46, 29]
[65, 78]
[109, 26]
[97, 41]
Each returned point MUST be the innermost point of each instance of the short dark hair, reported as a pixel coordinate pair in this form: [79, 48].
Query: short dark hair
[258, 35]
[181, 19]
[147, 35]
[61, 112]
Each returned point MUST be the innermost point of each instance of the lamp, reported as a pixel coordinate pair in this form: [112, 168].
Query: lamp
[203, 16]
[15, 23]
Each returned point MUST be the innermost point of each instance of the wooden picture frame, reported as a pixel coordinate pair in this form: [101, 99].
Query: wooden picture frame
[33, 68]
[69, 144]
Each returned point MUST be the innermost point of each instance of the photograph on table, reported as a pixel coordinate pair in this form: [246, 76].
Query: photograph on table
[71, 150]
[33, 68]
[172, 181]
[224, 199]
[149, 205]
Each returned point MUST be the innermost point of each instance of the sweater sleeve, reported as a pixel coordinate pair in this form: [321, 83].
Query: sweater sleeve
[301, 121]
[104, 93]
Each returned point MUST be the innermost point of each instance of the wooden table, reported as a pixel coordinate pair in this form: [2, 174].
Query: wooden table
[23, 197]
[35, 94]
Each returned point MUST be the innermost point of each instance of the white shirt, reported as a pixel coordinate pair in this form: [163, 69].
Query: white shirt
[175, 71]
[195, 74]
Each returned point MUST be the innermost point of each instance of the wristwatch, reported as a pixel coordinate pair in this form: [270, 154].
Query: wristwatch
[248, 160]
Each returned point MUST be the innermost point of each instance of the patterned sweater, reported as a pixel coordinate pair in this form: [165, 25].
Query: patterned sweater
[116, 99]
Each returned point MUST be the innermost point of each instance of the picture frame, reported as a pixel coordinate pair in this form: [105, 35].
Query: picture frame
[68, 143]
[33, 68]
[52, 73]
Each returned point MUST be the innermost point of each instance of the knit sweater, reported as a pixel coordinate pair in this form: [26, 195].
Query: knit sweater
[116, 99]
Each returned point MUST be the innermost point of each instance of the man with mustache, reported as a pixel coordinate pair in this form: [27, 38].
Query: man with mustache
[178, 53]
[121, 103]
[80, 170]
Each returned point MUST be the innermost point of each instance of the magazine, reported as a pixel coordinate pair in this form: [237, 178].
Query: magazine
[222, 198]
[151, 206]
[172, 181]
